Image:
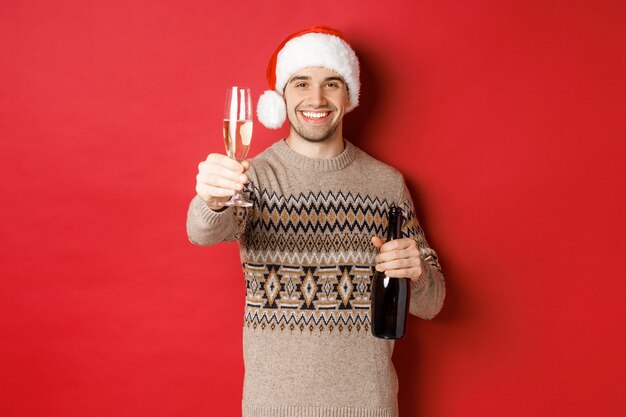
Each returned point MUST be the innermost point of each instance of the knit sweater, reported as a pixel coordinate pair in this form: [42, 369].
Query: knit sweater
[308, 264]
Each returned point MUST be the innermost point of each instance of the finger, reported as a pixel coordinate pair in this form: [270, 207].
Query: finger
[209, 191]
[245, 165]
[385, 256]
[225, 161]
[206, 169]
[397, 264]
[397, 244]
[378, 242]
[404, 273]
[220, 181]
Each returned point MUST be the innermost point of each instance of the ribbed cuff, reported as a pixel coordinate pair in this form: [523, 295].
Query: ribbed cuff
[208, 215]
[422, 281]
[250, 410]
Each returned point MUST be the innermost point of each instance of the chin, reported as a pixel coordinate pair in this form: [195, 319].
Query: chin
[321, 137]
[315, 139]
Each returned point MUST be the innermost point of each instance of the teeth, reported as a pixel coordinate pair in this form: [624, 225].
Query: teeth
[314, 115]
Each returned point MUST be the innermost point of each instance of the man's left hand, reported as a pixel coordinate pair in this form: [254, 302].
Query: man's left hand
[398, 258]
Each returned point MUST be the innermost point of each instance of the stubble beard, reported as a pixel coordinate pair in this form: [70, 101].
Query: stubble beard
[311, 135]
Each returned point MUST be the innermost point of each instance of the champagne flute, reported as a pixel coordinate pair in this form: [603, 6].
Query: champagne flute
[237, 132]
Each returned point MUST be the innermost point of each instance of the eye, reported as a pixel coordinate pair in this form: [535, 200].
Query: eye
[332, 84]
[301, 84]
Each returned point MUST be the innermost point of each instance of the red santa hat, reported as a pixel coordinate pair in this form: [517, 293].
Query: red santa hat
[318, 46]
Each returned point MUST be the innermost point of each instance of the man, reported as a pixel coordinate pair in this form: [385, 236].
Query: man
[310, 243]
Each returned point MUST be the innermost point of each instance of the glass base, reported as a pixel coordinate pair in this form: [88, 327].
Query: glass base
[237, 201]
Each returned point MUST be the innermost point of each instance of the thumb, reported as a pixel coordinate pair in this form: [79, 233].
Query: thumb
[246, 165]
[378, 242]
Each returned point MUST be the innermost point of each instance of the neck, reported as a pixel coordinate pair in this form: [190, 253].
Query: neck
[325, 149]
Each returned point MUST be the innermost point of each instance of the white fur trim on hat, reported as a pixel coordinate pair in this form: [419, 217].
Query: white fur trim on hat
[271, 109]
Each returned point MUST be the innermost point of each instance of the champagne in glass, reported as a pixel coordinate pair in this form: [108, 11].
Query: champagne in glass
[237, 132]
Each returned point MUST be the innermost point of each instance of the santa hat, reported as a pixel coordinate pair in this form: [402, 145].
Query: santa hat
[318, 46]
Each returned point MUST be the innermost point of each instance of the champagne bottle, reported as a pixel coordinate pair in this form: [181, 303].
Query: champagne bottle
[390, 296]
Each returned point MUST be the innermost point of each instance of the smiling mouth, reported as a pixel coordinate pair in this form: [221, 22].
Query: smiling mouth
[315, 116]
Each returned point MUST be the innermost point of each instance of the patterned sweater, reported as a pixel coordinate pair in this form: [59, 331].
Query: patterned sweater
[308, 262]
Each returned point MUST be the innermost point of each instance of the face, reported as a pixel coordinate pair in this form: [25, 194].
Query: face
[316, 100]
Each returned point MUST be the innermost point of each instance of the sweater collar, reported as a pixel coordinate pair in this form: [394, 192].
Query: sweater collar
[296, 160]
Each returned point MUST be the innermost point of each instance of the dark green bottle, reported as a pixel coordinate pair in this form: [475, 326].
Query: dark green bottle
[390, 296]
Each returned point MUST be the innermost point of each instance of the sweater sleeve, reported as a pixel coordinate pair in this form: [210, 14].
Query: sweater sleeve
[428, 292]
[207, 227]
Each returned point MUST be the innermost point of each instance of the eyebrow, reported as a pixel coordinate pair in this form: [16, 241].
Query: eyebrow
[307, 78]
[335, 79]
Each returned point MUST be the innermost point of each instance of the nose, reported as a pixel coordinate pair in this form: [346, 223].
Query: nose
[317, 98]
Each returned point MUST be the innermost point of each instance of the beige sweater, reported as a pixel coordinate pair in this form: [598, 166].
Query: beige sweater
[308, 263]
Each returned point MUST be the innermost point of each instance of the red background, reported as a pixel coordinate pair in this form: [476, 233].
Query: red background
[507, 119]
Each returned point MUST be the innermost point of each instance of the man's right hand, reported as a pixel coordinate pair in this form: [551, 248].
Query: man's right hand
[219, 177]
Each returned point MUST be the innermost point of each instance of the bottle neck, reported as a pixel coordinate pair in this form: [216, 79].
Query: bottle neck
[394, 225]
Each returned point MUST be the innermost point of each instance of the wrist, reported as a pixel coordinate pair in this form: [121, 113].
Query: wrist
[213, 205]
[217, 209]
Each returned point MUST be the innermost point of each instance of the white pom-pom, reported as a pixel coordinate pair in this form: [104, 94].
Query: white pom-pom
[271, 110]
